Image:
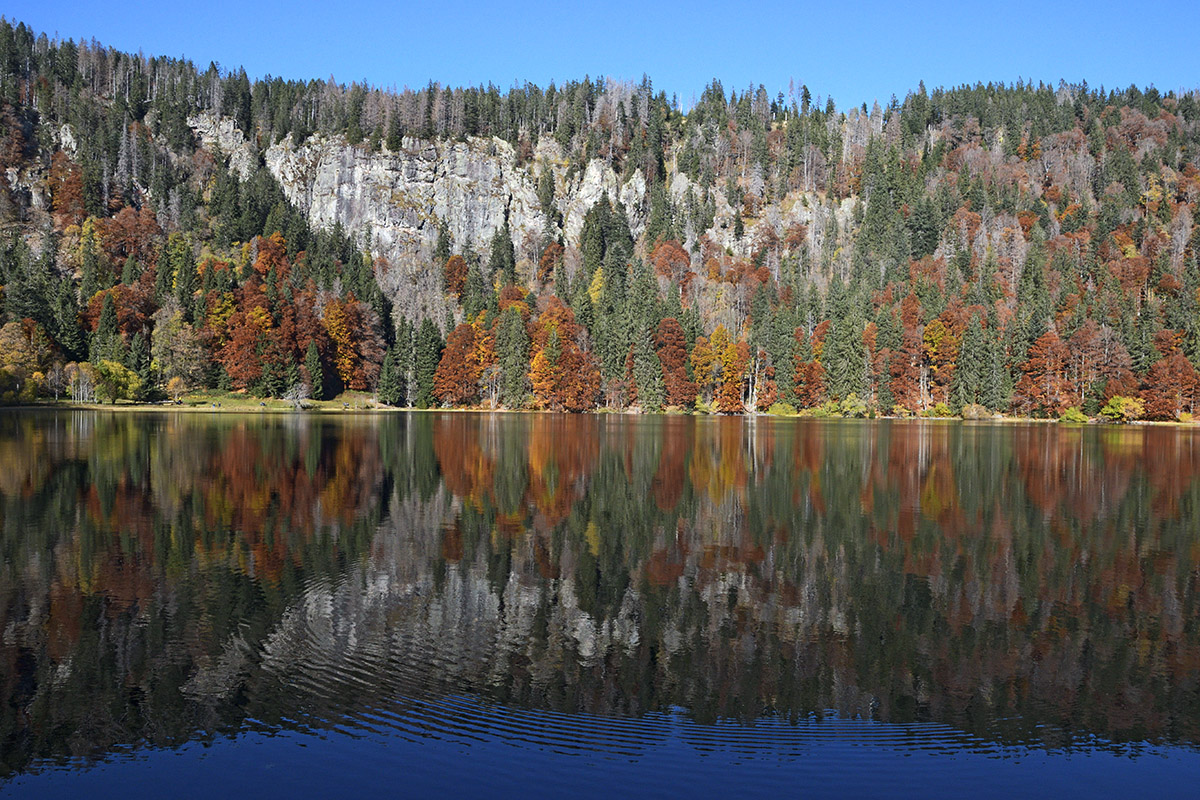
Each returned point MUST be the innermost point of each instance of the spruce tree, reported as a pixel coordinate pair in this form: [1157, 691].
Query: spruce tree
[93, 273]
[843, 357]
[66, 323]
[503, 260]
[137, 360]
[427, 355]
[780, 346]
[971, 368]
[476, 293]
[441, 251]
[390, 388]
[648, 375]
[316, 374]
[107, 344]
[512, 349]
[130, 272]
[997, 381]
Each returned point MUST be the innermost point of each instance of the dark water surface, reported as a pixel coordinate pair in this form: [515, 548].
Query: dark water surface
[527, 605]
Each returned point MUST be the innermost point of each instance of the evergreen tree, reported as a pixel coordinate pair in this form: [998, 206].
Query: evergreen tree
[503, 260]
[137, 360]
[512, 351]
[404, 360]
[65, 325]
[545, 190]
[316, 373]
[476, 293]
[844, 355]
[997, 379]
[394, 136]
[442, 250]
[648, 375]
[428, 354]
[107, 344]
[966, 386]
[130, 272]
[94, 278]
[390, 384]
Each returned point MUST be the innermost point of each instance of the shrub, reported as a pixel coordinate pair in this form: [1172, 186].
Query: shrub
[939, 410]
[782, 410]
[975, 411]
[1073, 415]
[1123, 409]
[853, 406]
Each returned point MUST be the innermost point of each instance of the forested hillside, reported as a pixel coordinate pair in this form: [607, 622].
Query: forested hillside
[1015, 248]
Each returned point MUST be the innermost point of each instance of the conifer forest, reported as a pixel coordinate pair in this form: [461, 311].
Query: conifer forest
[992, 248]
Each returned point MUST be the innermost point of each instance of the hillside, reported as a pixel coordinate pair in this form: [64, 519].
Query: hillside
[1014, 248]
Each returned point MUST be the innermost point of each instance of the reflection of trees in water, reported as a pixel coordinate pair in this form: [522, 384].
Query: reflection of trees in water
[165, 577]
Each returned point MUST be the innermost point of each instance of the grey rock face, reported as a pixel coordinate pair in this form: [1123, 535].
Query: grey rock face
[401, 197]
[221, 132]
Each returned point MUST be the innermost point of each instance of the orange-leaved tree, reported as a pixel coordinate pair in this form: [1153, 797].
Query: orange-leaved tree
[1170, 388]
[1043, 387]
[670, 343]
[456, 380]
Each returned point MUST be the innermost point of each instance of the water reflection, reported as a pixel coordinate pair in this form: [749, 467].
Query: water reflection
[170, 578]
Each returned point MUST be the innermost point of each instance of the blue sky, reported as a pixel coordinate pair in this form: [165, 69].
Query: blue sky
[856, 52]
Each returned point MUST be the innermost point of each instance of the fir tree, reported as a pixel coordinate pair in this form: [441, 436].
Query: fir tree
[997, 379]
[442, 250]
[966, 386]
[428, 353]
[648, 375]
[503, 260]
[107, 344]
[390, 383]
[137, 360]
[512, 350]
[93, 279]
[316, 373]
[65, 325]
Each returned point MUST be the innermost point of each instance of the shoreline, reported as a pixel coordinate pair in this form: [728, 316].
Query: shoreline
[329, 408]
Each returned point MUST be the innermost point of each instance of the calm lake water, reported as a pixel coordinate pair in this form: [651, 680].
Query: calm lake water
[526, 605]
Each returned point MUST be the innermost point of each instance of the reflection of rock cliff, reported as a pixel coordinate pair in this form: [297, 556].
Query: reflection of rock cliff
[723, 639]
[170, 580]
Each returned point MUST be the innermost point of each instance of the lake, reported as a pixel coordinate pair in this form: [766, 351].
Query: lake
[526, 605]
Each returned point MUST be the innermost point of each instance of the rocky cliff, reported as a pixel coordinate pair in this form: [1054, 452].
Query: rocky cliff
[399, 199]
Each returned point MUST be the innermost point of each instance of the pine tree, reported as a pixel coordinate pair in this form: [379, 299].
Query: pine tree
[94, 278]
[512, 350]
[966, 387]
[389, 381]
[503, 260]
[107, 344]
[66, 323]
[137, 360]
[648, 376]
[427, 355]
[316, 373]
[441, 250]
[780, 346]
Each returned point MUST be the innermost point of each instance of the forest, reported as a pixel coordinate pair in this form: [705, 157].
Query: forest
[1021, 248]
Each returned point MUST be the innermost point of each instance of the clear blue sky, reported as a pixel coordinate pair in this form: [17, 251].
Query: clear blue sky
[856, 52]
